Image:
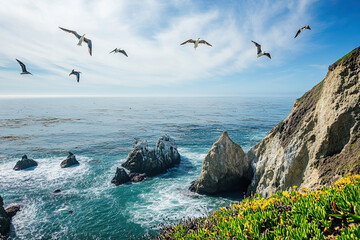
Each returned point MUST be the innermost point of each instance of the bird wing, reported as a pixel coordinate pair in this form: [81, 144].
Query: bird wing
[205, 42]
[298, 32]
[123, 52]
[307, 27]
[268, 55]
[71, 31]
[188, 41]
[23, 68]
[113, 51]
[77, 76]
[258, 46]
[88, 41]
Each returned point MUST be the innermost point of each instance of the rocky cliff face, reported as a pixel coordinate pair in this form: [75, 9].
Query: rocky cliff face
[224, 169]
[320, 139]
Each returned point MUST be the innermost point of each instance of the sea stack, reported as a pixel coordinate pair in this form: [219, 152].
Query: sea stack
[224, 169]
[152, 161]
[25, 163]
[69, 161]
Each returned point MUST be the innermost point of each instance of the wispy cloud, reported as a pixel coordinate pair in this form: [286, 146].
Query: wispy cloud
[151, 32]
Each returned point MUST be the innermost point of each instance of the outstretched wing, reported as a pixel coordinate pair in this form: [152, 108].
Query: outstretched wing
[188, 41]
[23, 68]
[298, 32]
[88, 41]
[268, 55]
[113, 51]
[205, 42]
[123, 52]
[71, 31]
[77, 76]
[258, 46]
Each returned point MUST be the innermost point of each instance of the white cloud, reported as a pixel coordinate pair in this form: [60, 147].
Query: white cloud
[150, 31]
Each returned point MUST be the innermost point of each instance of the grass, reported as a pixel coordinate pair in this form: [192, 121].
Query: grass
[329, 213]
[345, 58]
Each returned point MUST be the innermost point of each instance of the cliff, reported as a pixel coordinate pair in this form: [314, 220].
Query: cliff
[319, 141]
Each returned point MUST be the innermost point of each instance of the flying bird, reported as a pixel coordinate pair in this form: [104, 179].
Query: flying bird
[81, 39]
[259, 52]
[73, 72]
[23, 67]
[196, 42]
[302, 28]
[116, 50]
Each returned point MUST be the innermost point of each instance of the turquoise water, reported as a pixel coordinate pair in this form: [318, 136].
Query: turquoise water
[100, 132]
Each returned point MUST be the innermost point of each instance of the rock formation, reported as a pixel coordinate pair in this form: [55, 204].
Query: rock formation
[69, 161]
[121, 177]
[320, 139]
[152, 161]
[11, 211]
[25, 163]
[4, 220]
[224, 169]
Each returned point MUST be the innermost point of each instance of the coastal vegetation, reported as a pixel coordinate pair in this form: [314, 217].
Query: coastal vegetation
[328, 213]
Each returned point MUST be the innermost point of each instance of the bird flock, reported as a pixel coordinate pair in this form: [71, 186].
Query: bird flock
[196, 43]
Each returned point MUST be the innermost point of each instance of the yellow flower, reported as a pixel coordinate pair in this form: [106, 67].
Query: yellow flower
[294, 187]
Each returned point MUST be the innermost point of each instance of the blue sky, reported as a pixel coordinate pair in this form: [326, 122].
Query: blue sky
[151, 32]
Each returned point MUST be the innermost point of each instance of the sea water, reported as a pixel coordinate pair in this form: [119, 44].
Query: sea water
[101, 132]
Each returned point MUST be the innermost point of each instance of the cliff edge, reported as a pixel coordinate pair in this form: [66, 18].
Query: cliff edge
[320, 139]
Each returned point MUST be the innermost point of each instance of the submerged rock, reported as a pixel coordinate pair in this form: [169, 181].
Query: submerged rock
[152, 161]
[121, 177]
[4, 220]
[224, 169]
[137, 177]
[11, 211]
[57, 191]
[69, 161]
[25, 163]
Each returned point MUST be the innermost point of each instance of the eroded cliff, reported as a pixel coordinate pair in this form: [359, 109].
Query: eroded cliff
[319, 141]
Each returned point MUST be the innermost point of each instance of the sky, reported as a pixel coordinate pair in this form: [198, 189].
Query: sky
[151, 31]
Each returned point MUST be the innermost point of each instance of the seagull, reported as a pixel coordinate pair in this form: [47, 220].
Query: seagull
[259, 52]
[73, 72]
[302, 28]
[116, 50]
[196, 42]
[81, 39]
[23, 67]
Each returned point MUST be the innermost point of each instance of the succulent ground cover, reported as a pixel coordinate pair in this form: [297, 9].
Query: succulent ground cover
[328, 213]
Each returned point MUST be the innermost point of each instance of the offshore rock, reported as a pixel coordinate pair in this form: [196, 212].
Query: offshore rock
[11, 211]
[69, 161]
[25, 163]
[224, 169]
[137, 177]
[121, 177]
[152, 161]
[319, 141]
[4, 220]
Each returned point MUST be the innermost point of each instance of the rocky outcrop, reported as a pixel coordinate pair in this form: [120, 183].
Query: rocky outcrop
[320, 139]
[121, 177]
[152, 161]
[69, 161]
[4, 220]
[224, 169]
[11, 211]
[25, 163]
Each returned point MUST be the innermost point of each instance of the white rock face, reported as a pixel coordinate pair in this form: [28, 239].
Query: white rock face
[305, 149]
[225, 168]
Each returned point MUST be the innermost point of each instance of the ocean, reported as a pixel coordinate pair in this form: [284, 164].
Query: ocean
[101, 132]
